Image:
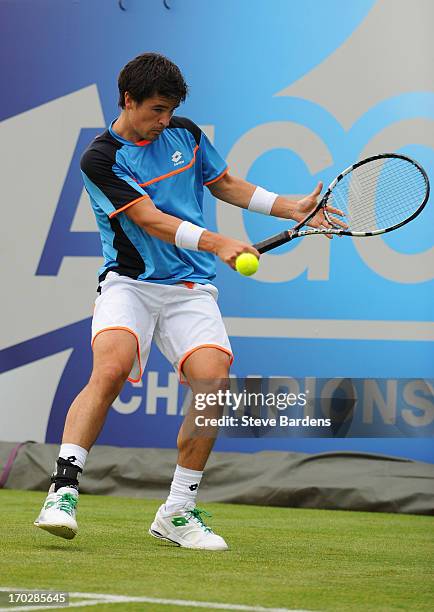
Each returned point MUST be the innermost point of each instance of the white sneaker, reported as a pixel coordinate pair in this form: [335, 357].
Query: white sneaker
[186, 528]
[58, 512]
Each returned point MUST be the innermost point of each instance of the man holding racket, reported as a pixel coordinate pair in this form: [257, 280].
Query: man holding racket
[145, 177]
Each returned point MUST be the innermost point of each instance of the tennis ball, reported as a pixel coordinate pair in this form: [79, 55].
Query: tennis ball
[246, 264]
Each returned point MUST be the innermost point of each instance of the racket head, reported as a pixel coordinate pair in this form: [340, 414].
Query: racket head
[378, 194]
[371, 214]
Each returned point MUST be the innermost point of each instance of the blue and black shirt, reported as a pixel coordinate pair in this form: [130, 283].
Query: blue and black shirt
[172, 170]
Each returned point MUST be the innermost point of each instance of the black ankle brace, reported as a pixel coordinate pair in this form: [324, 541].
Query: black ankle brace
[66, 474]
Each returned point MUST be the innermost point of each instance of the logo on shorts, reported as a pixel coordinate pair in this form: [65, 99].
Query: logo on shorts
[177, 158]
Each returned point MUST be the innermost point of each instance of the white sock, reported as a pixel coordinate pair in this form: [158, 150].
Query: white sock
[183, 489]
[76, 454]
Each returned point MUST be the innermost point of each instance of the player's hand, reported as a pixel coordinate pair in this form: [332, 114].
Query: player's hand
[308, 203]
[228, 250]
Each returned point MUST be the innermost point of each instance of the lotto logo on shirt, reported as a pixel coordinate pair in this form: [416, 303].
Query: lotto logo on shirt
[177, 158]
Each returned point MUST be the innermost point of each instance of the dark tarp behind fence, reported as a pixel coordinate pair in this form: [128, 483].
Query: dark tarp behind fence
[337, 480]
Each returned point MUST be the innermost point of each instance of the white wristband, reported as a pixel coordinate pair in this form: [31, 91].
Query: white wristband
[188, 235]
[262, 201]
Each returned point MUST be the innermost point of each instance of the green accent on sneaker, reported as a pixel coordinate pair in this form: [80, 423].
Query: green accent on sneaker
[49, 504]
[196, 513]
[179, 521]
[67, 502]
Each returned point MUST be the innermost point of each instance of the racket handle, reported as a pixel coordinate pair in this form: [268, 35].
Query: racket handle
[273, 242]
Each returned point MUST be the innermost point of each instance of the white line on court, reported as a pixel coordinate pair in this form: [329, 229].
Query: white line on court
[92, 599]
[330, 329]
[75, 604]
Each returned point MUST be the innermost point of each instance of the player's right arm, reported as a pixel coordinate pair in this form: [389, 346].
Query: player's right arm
[164, 227]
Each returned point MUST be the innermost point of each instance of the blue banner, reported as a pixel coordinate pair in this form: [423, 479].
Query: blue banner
[286, 106]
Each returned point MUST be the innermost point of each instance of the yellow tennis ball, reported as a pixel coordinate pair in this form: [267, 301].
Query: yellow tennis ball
[246, 264]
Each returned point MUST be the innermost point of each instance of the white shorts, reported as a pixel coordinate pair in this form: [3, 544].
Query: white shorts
[179, 318]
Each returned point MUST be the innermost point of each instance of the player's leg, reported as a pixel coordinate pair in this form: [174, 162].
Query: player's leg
[122, 328]
[193, 337]
[179, 520]
[114, 353]
[207, 371]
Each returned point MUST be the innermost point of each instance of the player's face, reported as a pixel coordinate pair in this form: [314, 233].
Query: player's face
[149, 118]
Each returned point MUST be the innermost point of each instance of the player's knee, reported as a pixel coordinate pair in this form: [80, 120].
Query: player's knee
[209, 395]
[211, 380]
[210, 366]
[110, 376]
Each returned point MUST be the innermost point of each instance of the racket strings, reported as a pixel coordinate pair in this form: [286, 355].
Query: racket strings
[387, 200]
[384, 210]
[379, 194]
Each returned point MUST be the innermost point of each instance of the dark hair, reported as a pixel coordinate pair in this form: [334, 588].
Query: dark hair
[151, 74]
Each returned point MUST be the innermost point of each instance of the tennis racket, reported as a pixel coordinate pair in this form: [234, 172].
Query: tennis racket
[377, 195]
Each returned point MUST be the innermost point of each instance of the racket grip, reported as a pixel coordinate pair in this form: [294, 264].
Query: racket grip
[273, 242]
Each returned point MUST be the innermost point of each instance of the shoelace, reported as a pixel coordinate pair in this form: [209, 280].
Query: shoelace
[196, 514]
[67, 502]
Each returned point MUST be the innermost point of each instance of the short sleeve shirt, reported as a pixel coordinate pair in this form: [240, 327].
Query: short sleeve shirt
[171, 170]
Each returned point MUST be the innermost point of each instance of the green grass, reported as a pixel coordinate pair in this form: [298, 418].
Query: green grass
[279, 557]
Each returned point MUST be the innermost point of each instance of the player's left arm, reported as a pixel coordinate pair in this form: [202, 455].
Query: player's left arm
[239, 192]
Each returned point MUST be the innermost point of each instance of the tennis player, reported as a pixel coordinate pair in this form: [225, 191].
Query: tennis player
[145, 176]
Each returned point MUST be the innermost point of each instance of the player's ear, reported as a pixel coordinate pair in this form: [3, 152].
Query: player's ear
[128, 101]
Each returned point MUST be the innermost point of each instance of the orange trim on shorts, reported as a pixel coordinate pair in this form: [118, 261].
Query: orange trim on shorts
[138, 347]
[188, 284]
[119, 210]
[177, 171]
[216, 346]
[217, 178]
